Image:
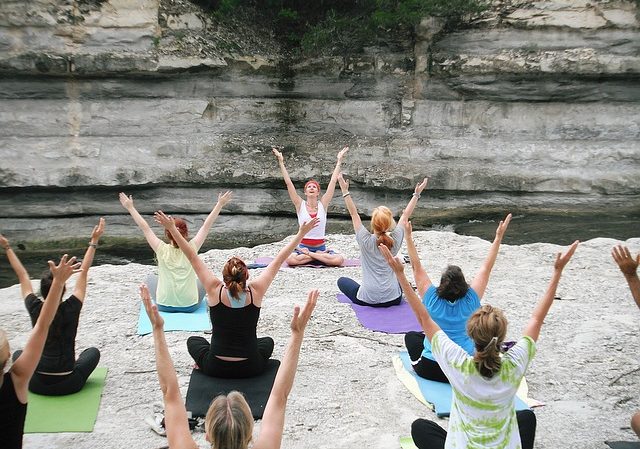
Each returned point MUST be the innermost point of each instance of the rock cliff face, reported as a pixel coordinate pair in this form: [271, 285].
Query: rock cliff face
[535, 106]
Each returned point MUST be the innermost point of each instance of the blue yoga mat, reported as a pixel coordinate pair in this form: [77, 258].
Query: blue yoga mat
[438, 393]
[176, 321]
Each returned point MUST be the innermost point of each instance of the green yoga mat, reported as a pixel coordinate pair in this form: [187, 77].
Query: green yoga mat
[72, 413]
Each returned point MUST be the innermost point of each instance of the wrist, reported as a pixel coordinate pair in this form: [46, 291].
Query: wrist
[346, 194]
[7, 248]
[93, 245]
[416, 195]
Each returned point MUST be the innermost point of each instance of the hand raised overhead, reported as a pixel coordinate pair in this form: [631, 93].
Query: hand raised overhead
[301, 316]
[126, 201]
[277, 154]
[166, 221]
[152, 310]
[309, 225]
[97, 230]
[342, 153]
[421, 186]
[627, 264]
[65, 268]
[563, 259]
[394, 262]
[4, 242]
[224, 198]
[502, 227]
[344, 184]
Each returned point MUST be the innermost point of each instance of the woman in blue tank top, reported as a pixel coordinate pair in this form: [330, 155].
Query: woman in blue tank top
[450, 304]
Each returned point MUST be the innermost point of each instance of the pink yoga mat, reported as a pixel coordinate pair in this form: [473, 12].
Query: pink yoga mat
[346, 263]
[391, 320]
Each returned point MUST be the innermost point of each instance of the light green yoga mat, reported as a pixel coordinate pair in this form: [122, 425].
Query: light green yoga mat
[407, 443]
[72, 413]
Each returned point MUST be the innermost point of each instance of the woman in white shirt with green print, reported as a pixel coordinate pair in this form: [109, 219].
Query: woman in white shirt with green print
[484, 385]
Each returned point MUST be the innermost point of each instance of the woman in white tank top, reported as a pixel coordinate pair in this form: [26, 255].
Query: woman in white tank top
[312, 249]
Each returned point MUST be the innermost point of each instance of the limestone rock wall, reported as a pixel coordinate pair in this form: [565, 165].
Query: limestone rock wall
[535, 106]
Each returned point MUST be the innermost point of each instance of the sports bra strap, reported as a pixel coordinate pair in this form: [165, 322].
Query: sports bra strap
[250, 293]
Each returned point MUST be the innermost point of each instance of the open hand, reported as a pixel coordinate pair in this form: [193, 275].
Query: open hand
[342, 153]
[309, 225]
[301, 316]
[627, 264]
[65, 268]
[4, 242]
[344, 184]
[278, 154]
[165, 221]
[408, 229]
[97, 231]
[126, 201]
[421, 186]
[394, 262]
[224, 198]
[563, 259]
[152, 310]
[502, 227]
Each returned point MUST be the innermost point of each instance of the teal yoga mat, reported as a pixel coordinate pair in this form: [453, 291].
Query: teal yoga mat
[437, 393]
[71, 413]
[194, 321]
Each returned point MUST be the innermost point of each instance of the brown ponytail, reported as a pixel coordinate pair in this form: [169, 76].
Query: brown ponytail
[235, 275]
[487, 327]
[381, 223]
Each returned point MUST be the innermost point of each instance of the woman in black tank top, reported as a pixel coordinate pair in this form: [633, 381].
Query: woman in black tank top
[234, 308]
[14, 384]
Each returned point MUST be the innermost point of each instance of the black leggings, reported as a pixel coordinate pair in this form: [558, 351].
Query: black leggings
[49, 385]
[350, 288]
[426, 368]
[209, 364]
[428, 435]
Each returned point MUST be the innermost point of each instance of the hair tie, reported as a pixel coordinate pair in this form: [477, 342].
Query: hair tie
[493, 341]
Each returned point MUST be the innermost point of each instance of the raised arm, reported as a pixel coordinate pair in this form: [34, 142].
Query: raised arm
[629, 267]
[263, 281]
[540, 312]
[348, 201]
[406, 215]
[295, 198]
[175, 413]
[80, 289]
[23, 276]
[428, 325]
[423, 282]
[328, 195]
[479, 283]
[273, 420]
[26, 364]
[152, 239]
[207, 278]
[223, 199]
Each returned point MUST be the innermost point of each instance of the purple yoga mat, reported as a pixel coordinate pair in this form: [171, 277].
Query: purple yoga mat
[391, 320]
[346, 263]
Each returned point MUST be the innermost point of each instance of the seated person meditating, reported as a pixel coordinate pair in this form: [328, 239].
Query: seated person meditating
[175, 288]
[58, 372]
[234, 308]
[379, 287]
[312, 249]
[484, 384]
[14, 382]
[450, 304]
[228, 423]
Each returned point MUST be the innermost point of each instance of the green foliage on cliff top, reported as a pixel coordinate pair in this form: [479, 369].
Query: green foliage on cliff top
[321, 26]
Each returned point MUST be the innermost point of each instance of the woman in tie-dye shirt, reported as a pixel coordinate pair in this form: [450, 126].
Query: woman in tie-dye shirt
[484, 385]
